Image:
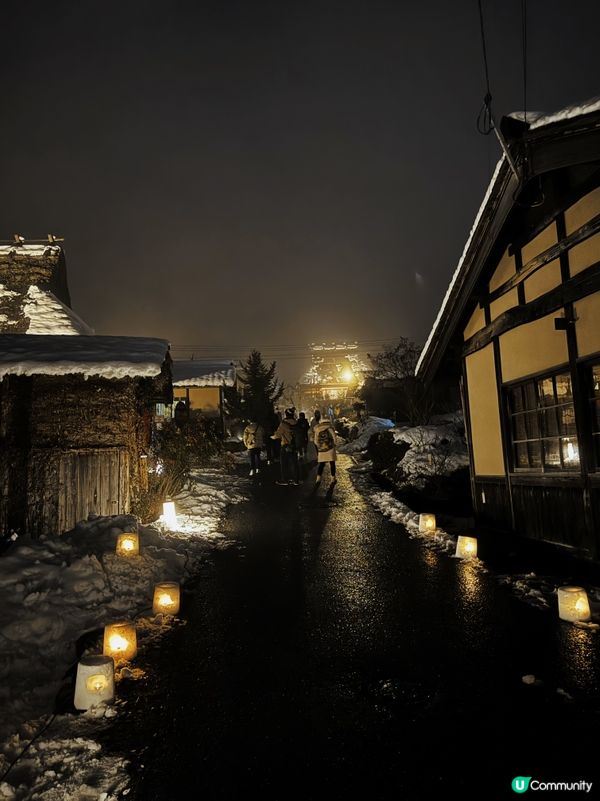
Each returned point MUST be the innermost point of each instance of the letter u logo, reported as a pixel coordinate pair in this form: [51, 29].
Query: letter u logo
[520, 783]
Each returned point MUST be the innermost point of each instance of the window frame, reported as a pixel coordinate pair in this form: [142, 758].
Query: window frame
[541, 413]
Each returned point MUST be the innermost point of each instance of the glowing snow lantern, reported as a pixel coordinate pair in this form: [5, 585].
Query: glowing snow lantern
[95, 683]
[169, 516]
[466, 547]
[573, 604]
[427, 523]
[128, 544]
[120, 641]
[166, 598]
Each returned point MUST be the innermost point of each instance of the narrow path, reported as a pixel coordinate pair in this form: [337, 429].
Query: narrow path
[330, 654]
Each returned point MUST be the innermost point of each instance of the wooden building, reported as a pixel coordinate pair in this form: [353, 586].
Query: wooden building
[75, 422]
[520, 328]
[200, 385]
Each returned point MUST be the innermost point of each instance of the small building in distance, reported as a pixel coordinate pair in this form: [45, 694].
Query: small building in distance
[200, 385]
[75, 426]
[519, 328]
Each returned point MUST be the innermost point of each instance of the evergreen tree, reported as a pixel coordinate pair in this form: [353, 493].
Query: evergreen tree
[260, 390]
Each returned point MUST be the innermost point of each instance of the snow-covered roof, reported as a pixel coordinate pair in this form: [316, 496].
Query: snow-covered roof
[34, 249]
[106, 357]
[193, 373]
[47, 315]
[500, 180]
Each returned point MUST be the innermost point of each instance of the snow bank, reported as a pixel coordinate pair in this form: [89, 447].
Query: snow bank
[436, 450]
[54, 590]
[372, 425]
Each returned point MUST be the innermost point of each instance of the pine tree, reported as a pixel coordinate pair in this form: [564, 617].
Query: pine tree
[260, 390]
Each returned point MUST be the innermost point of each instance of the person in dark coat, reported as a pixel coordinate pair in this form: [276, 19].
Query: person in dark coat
[304, 427]
[286, 434]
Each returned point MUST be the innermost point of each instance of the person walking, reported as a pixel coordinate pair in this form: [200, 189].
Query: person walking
[324, 439]
[303, 427]
[286, 434]
[254, 440]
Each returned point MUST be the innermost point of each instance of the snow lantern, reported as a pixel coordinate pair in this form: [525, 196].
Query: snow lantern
[166, 598]
[466, 547]
[169, 517]
[120, 641]
[128, 544]
[427, 523]
[573, 604]
[95, 683]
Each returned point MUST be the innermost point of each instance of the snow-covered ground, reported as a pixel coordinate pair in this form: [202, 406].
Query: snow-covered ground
[56, 589]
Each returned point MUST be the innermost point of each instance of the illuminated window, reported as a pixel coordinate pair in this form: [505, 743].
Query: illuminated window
[543, 431]
[595, 404]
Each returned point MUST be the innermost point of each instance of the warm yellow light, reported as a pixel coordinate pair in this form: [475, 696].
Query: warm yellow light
[95, 682]
[120, 641]
[466, 547]
[128, 544]
[166, 598]
[427, 522]
[169, 517]
[573, 604]
[347, 375]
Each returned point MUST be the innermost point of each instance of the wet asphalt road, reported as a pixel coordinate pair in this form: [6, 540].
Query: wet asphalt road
[328, 654]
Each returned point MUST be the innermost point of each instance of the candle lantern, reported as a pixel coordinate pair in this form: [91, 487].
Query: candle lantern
[166, 598]
[128, 544]
[169, 516]
[573, 604]
[466, 547]
[120, 641]
[95, 682]
[427, 523]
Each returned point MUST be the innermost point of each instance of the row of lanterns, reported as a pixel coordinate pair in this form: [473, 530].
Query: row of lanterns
[573, 603]
[95, 681]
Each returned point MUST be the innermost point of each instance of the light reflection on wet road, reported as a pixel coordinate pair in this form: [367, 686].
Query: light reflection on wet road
[330, 654]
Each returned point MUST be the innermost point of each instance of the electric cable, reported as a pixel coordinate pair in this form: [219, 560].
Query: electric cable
[485, 120]
[29, 744]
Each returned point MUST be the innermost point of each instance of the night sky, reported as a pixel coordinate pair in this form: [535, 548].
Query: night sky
[239, 174]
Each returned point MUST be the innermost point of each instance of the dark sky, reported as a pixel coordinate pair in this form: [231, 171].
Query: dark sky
[238, 174]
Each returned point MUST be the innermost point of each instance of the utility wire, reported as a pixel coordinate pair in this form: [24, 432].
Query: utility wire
[29, 744]
[485, 121]
[524, 46]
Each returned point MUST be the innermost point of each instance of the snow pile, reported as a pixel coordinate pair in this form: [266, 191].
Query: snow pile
[372, 425]
[437, 450]
[47, 315]
[56, 589]
[400, 513]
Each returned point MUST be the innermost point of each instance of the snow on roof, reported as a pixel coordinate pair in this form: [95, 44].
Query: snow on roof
[537, 120]
[37, 249]
[48, 315]
[191, 373]
[106, 357]
[461, 261]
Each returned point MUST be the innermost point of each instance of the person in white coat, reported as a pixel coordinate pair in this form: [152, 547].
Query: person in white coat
[254, 440]
[324, 440]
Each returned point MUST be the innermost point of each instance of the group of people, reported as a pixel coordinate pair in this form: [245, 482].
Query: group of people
[294, 434]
